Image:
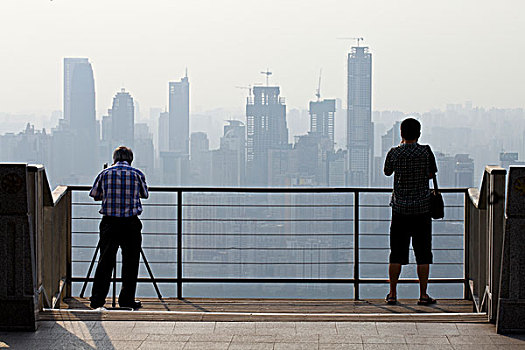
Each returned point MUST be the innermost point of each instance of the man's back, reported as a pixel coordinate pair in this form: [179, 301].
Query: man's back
[120, 188]
[412, 165]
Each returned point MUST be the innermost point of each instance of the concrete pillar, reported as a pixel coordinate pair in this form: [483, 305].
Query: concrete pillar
[511, 303]
[18, 295]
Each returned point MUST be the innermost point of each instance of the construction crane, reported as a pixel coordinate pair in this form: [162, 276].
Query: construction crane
[318, 92]
[267, 73]
[249, 87]
[352, 38]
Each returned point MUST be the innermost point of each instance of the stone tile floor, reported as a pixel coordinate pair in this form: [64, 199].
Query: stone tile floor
[260, 335]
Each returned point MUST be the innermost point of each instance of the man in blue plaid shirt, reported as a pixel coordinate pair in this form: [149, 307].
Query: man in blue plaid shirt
[120, 188]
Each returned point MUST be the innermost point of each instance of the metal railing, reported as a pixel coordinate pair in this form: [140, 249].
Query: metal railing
[325, 225]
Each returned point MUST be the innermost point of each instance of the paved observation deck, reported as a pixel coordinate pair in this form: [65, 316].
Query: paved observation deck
[245, 268]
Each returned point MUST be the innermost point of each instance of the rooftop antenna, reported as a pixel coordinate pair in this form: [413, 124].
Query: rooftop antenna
[186, 72]
[318, 92]
[352, 38]
[267, 73]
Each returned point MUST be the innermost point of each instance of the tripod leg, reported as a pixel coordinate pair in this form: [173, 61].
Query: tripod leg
[89, 271]
[113, 303]
[150, 274]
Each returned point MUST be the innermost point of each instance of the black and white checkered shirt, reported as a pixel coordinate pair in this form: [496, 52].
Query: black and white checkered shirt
[413, 166]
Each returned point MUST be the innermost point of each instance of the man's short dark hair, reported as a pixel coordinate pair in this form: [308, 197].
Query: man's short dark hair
[410, 129]
[123, 154]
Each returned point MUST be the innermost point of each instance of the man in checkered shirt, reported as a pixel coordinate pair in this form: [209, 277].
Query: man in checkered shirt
[413, 165]
[120, 188]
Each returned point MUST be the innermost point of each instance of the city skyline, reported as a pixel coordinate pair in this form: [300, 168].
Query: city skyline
[430, 56]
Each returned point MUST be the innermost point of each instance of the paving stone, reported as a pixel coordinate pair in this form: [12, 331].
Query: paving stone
[177, 338]
[398, 328]
[251, 346]
[117, 345]
[27, 344]
[295, 338]
[475, 329]
[383, 339]
[284, 331]
[503, 339]
[274, 324]
[154, 327]
[385, 347]
[359, 328]
[479, 347]
[159, 345]
[437, 329]
[340, 338]
[419, 339]
[430, 347]
[234, 328]
[295, 346]
[123, 335]
[68, 344]
[253, 339]
[341, 346]
[194, 328]
[206, 346]
[215, 337]
[469, 339]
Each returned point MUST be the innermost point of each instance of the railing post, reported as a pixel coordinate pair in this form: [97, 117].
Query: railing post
[466, 246]
[356, 245]
[179, 244]
[496, 221]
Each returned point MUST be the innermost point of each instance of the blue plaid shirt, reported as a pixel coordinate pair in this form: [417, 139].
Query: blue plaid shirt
[120, 188]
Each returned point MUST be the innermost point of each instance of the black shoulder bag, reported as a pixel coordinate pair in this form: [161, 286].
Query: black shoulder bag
[437, 206]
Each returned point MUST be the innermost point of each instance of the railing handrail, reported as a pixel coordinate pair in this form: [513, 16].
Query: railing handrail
[273, 189]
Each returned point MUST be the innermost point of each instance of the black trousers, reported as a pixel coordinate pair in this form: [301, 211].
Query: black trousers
[118, 232]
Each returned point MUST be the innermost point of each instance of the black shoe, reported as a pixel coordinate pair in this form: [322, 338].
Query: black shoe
[390, 300]
[426, 300]
[137, 304]
[95, 305]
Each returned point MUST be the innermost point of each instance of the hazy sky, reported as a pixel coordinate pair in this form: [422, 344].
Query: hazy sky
[425, 53]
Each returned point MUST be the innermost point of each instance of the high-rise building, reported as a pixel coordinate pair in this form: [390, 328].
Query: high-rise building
[179, 116]
[360, 132]
[228, 162]
[143, 150]
[79, 114]
[322, 118]
[266, 130]
[163, 133]
[464, 171]
[200, 162]
[122, 120]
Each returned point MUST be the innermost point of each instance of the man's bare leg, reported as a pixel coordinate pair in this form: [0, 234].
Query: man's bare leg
[394, 270]
[422, 274]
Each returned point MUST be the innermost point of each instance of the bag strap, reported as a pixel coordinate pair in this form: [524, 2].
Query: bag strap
[434, 179]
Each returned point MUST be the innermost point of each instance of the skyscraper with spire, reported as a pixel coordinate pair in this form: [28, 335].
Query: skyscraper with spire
[360, 130]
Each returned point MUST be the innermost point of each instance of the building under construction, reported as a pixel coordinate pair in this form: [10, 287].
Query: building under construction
[266, 130]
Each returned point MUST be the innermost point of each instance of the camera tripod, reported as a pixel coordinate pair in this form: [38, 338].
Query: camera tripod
[114, 279]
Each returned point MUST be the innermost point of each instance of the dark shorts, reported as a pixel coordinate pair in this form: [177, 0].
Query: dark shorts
[402, 229]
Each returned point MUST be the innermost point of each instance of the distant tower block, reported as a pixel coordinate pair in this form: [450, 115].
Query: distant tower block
[360, 130]
[122, 120]
[266, 129]
[179, 116]
[322, 118]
